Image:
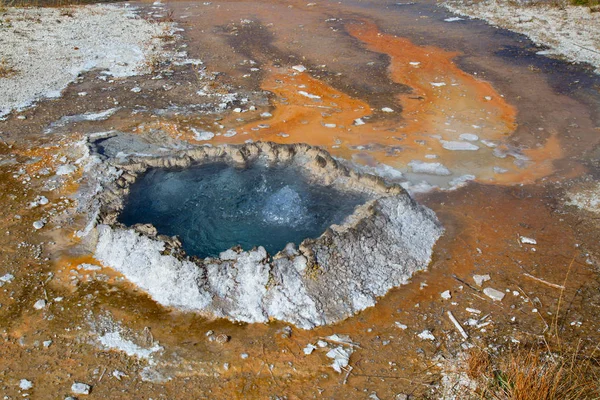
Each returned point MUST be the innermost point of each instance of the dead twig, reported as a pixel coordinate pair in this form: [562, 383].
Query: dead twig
[554, 285]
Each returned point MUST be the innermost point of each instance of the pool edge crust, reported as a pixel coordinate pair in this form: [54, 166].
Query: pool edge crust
[323, 281]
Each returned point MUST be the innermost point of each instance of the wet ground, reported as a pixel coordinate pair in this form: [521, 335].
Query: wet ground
[539, 120]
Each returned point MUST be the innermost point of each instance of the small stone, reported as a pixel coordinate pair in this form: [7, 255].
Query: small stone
[309, 349]
[473, 310]
[222, 338]
[493, 294]
[47, 343]
[38, 224]
[7, 278]
[426, 335]
[479, 279]
[387, 110]
[81, 388]
[136, 89]
[359, 122]
[299, 68]
[244, 356]
[400, 325]
[25, 384]
[266, 115]
[526, 240]
[39, 304]
[446, 295]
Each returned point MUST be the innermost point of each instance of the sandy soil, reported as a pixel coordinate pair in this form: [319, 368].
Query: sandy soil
[65, 318]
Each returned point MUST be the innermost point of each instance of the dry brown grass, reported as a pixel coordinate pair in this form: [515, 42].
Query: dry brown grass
[6, 70]
[534, 374]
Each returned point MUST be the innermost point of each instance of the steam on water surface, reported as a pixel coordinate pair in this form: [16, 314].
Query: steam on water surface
[216, 206]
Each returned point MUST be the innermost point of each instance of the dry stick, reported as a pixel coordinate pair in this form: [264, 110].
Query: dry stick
[537, 312]
[463, 282]
[560, 301]
[350, 368]
[554, 285]
[457, 325]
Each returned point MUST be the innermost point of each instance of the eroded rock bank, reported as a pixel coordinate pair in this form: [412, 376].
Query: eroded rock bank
[323, 281]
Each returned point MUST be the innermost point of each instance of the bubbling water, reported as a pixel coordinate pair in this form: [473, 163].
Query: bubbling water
[216, 206]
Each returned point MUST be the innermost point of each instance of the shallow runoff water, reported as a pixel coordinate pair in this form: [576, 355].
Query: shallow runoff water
[216, 206]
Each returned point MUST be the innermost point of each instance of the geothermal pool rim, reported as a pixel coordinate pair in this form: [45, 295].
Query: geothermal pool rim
[323, 281]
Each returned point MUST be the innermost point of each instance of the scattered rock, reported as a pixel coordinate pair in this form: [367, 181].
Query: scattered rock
[25, 384]
[309, 349]
[526, 240]
[446, 295]
[426, 335]
[340, 356]
[39, 224]
[479, 279]
[299, 68]
[222, 338]
[494, 294]
[81, 388]
[40, 304]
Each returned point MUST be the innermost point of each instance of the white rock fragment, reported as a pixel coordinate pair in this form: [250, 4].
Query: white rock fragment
[400, 325]
[7, 278]
[89, 267]
[322, 343]
[459, 146]
[118, 374]
[329, 125]
[310, 96]
[81, 388]
[387, 110]
[473, 310]
[230, 133]
[25, 384]
[38, 305]
[437, 84]
[426, 335]
[493, 294]
[299, 68]
[479, 279]
[414, 63]
[39, 224]
[470, 137]
[526, 240]
[340, 356]
[446, 295]
[202, 135]
[429, 168]
[359, 122]
[66, 169]
[266, 115]
[309, 349]
[453, 19]
[114, 341]
[47, 343]
[244, 356]
[136, 89]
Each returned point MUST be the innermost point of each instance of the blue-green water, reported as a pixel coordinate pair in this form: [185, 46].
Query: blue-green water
[216, 206]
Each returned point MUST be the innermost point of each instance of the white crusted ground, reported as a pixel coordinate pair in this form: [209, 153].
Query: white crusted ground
[49, 48]
[354, 268]
[570, 31]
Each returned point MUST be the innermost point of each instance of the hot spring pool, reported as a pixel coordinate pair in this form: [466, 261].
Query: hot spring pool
[214, 207]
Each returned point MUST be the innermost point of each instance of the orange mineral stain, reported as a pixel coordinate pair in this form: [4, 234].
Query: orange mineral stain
[445, 103]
